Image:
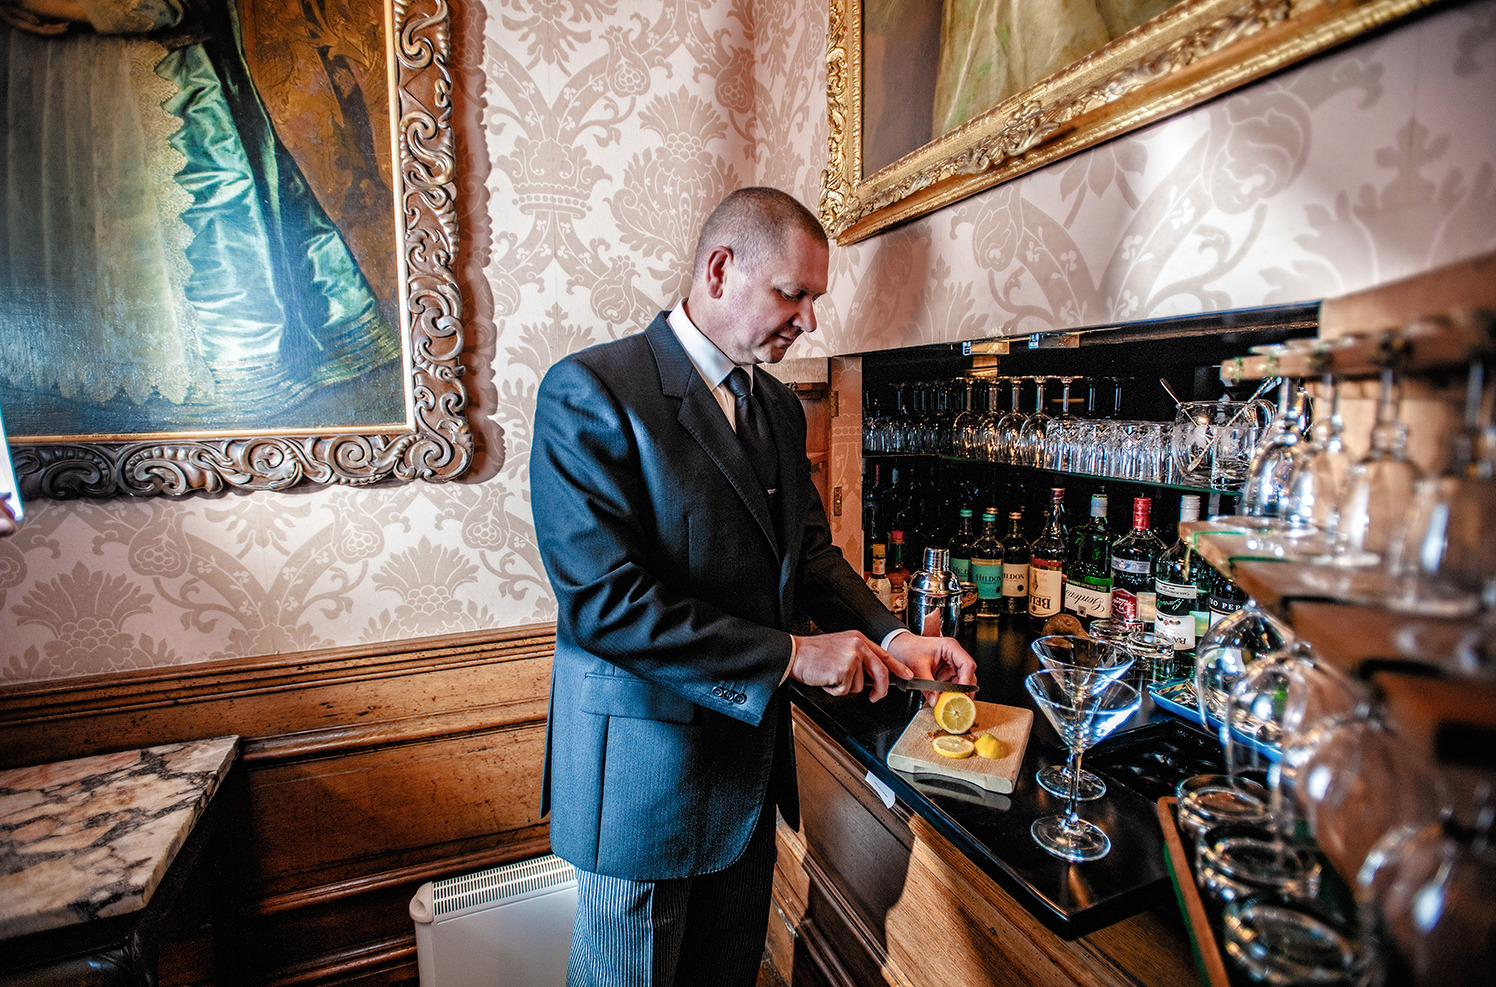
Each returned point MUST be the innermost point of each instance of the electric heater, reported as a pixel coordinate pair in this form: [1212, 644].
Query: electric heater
[507, 926]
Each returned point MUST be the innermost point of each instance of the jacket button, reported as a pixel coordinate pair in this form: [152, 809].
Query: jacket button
[739, 698]
[718, 691]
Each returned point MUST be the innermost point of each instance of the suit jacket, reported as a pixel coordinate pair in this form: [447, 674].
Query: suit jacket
[675, 585]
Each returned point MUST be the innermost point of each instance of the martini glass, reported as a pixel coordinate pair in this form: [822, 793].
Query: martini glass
[1081, 724]
[1090, 665]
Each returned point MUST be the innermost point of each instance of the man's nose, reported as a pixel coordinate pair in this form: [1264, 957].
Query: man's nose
[805, 316]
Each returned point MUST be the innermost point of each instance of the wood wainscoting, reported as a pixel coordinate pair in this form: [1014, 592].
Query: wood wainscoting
[365, 771]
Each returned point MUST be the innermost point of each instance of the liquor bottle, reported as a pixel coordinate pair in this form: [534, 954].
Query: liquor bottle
[1088, 574]
[987, 566]
[1015, 566]
[961, 544]
[898, 573]
[1047, 562]
[1175, 579]
[910, 518]
[1222, 595]
[1134, 557]
[878, 580]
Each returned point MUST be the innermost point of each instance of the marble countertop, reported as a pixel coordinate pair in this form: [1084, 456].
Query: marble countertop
[92, 838]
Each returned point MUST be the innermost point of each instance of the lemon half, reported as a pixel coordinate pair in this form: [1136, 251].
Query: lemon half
[955, 712]
[953, 746]
[990, 747]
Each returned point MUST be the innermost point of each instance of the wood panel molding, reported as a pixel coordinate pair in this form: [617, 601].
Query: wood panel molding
[365, 771]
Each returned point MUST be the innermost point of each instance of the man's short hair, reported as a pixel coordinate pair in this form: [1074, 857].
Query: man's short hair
[751, 222]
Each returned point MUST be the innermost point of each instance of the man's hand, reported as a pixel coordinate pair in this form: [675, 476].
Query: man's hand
[844, 662]
[938, 658]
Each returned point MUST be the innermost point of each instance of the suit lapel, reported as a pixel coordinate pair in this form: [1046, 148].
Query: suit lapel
[702, 417]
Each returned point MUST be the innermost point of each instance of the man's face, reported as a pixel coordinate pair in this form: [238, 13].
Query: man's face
[768, 304]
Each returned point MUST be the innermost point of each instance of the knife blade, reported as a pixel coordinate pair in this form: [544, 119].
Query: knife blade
[929, 685]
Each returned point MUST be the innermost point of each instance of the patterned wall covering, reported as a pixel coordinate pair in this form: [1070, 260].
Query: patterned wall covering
[595, 134]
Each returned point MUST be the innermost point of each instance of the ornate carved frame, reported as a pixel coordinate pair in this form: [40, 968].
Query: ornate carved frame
[436, 443]
[1191, 52]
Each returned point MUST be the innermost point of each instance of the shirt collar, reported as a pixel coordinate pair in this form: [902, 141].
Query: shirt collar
[710, 362]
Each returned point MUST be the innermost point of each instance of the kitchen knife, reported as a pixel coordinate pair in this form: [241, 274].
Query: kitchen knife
[928, 685]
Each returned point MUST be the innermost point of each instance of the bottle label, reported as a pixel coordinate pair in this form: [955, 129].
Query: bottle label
[1125, 606]
[989, 578]
[1176, 591]
[962, 568]
[1178, 629]
[1045, 586]
[1015, 580]
[1220, 610]
[1133, 567]
[883, 590]
[1088, 601]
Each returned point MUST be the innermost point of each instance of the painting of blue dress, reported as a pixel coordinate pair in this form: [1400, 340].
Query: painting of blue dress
[165, 266]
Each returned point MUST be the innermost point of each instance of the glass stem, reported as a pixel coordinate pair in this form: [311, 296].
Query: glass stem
[1072, 767]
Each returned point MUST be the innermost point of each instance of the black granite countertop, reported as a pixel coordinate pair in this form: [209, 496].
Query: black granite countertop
[1140, 763]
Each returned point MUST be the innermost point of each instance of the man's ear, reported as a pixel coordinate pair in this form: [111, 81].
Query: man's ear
[717, 263]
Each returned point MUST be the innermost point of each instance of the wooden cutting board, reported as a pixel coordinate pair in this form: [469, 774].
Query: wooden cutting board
[1009, 724]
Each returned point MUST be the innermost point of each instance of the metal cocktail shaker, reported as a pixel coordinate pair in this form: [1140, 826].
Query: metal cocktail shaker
[934, 597]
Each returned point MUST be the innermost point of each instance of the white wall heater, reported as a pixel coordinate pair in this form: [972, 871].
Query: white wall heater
[507, 926]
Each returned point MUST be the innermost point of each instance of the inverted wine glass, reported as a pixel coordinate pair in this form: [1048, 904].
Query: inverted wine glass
[1090, 665]
[1029, 446]
[1081, 723]
[1378, 488]
[1444, 562]
[1278, 454]
[1221, 658]
[1269, 707]
[1312, 503]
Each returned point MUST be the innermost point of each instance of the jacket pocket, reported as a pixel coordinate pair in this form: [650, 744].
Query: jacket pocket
[620, 695]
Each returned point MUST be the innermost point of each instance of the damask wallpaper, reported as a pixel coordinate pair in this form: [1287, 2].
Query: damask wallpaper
[595, 134]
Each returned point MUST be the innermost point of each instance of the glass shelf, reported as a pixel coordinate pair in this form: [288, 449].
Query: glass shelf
[1038, 470]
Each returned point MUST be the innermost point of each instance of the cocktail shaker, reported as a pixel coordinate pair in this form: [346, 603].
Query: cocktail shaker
[934, 608]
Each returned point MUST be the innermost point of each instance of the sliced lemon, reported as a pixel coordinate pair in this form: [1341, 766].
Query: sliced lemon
[955, 712]
[990, 747]
[953, 746]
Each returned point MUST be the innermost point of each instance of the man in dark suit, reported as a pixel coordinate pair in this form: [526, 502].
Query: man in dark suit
[680, 553]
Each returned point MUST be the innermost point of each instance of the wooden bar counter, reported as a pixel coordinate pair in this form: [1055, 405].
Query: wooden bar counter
[889, 879]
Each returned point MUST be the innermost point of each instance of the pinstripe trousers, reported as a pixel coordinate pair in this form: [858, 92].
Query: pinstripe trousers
[706, 929]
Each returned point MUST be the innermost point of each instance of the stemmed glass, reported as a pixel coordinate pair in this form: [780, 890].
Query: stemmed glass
[1268, 708]
[1090, 665]
[1081, 723]
[1221, 658]
[1378, 488]
[1312, 503]
[986, 439]
[1444, 562]
[1005, 428]
[1277, 457]
[964, 428]
[1029, 447]
[1061, 436]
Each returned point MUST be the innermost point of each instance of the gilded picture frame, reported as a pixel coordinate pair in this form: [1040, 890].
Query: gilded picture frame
[1190, 52]
[418, 431]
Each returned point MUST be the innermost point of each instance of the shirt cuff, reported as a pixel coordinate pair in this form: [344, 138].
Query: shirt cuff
[888, 639]
[794, 643]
